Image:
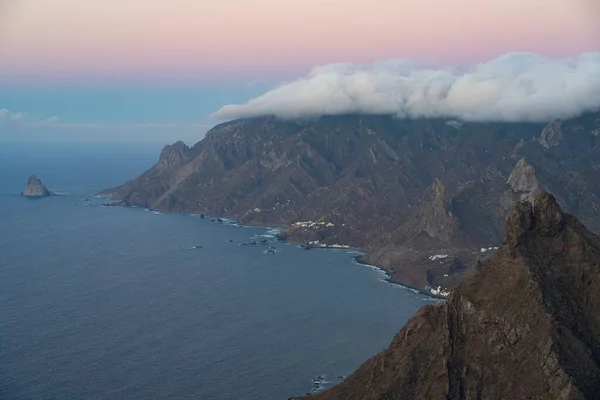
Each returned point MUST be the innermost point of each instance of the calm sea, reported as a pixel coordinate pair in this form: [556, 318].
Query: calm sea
[116, 303]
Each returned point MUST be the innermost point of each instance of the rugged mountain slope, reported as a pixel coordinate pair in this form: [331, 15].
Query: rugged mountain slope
[525, 325]
[404, 190]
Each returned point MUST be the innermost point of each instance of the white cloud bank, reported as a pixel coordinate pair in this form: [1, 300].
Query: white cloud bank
[514, 87]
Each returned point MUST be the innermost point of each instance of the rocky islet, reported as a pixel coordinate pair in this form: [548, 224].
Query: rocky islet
[35, 188]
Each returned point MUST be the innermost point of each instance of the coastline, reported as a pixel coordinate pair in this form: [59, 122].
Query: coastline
[358, 259]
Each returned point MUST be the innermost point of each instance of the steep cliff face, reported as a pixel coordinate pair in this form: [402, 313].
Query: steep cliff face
[372, 182]
[551, 135]
[35, 188]
[436, 219]
[174, 156]
[524, 325]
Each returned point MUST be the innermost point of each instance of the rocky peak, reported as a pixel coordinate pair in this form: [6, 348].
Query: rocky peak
[551, 135]
[539, 217]
[523, 180]
[174, 155]
[35, 188]
[437, 219]
[524, 325]
[520, 145]
[439, 191]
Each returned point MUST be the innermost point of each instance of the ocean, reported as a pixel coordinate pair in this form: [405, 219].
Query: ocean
[125, 303]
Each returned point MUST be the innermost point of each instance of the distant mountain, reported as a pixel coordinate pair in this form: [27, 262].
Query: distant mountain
[35, 188]
[524, 325]
[423, 197]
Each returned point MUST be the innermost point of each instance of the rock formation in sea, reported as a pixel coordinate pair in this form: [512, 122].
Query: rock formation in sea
[35, 188]
[404, 190]
[523, 325]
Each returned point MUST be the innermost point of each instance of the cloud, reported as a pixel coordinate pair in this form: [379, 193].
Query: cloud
[253, 82]
[20, 127]
[53, 120]
[21, 119]
[151, 134]
[513, 87]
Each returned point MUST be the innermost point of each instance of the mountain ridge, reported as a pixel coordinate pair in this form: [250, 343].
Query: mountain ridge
[524, 325]
[373, 181]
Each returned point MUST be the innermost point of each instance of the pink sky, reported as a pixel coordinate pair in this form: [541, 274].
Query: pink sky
[255, 38]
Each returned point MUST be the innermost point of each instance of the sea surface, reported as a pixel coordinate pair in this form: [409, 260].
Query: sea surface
[126, 303]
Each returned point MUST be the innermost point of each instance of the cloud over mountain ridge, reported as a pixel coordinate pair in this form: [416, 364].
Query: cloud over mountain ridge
[514, 87]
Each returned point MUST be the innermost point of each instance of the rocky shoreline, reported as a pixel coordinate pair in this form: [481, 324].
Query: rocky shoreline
[404, 191]
[359, 259]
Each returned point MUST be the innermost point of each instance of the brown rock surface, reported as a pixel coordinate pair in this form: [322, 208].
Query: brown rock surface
[524, 325]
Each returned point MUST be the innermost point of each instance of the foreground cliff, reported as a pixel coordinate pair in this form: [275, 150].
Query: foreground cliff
[35, 188]
[525, 325]
[423, 197]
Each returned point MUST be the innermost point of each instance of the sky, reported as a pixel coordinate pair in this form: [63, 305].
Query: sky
[157, 70]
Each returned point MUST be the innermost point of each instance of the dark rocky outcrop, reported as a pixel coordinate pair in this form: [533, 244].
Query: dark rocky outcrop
[524, 325]
[551, 135]
[174, 156]
[403, 190]
[35, 188]
[436, 220]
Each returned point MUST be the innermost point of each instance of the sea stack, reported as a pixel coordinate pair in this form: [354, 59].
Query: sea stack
[35, 188]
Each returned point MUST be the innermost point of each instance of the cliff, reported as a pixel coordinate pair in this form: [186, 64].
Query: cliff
[524, 325]
[406, 191]
[35, 188]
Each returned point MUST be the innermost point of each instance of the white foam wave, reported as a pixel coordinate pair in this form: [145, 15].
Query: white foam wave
[375, 268]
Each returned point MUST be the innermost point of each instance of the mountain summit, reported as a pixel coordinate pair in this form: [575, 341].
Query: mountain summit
[525, 325]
